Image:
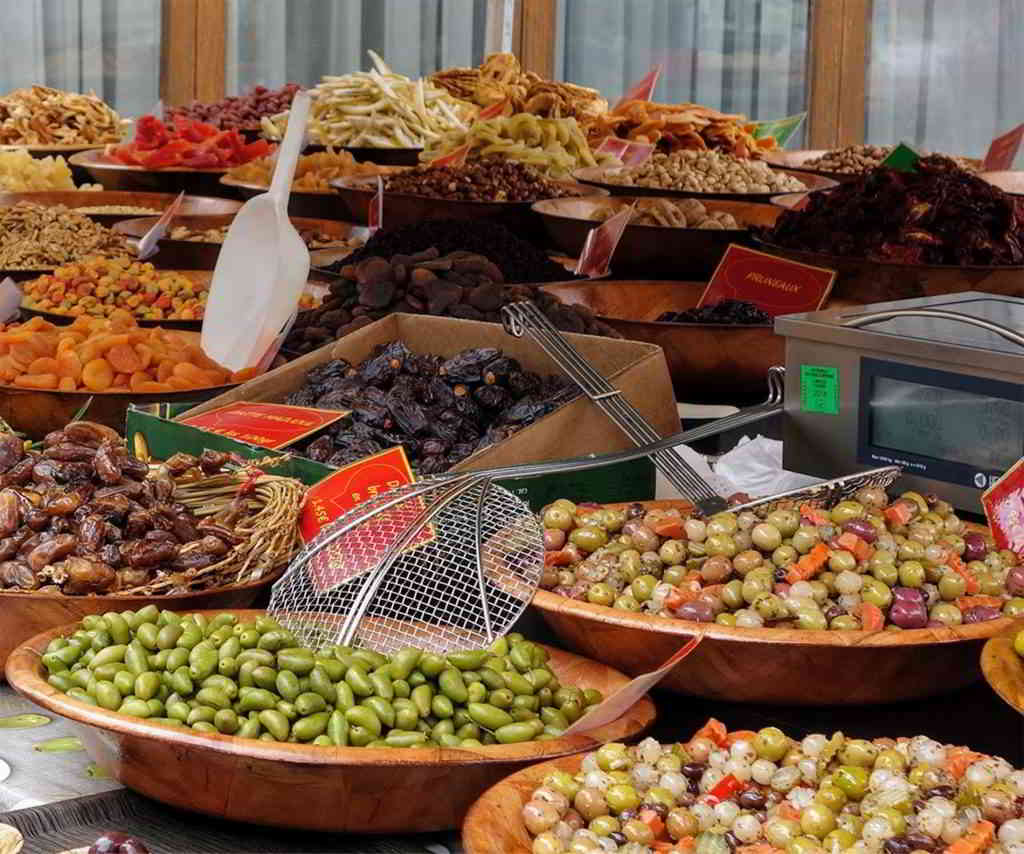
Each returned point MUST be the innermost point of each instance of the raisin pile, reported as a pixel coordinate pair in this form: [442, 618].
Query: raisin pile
[731, 312]
[440, 410]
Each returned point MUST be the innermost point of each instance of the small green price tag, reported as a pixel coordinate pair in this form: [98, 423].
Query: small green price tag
[781, 129]
[902, 158]
[819, 389]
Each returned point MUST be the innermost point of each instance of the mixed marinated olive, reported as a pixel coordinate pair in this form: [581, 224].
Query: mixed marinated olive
[765, 793]
[865, 564]
[253, 679]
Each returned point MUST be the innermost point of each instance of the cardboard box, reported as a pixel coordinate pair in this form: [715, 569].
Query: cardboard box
[638, 369]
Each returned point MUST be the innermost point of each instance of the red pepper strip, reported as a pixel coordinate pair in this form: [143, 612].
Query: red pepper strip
[726, 788]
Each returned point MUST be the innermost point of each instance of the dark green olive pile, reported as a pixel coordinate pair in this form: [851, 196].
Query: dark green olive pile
[253, 680]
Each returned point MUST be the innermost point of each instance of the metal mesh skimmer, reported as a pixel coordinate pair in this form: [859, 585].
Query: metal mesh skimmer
[438, 566]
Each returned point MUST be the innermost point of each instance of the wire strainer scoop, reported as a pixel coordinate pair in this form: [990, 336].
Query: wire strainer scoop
[440, 567]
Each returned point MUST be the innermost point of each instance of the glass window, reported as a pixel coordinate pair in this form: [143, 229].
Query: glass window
[944, 74]
[111, 47]
[273, 42]
[733, 55]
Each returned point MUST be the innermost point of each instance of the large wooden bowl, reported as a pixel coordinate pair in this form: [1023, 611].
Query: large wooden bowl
[114, 175]
[494, 825]
[597, 176]
[345, 789]
[314, 205]
[861, 280]
[708, 363]
[23, 615]
[651, 251]
[190, 205]
[196, 255]
[1003, 668]
[406, 209]
[773, 666]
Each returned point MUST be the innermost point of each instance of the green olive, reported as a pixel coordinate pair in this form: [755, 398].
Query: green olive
[720, 544]
[948, 614]
[674, 575]
[766, 537]
[910, 550]
[600, 594]
[770, 607]
[626, 602]
[831, 796]
[952, 586]
[732, 595]
[753, 588]
[804, 845]
[787, 521]
[747, 560]
[876, 593]
[621, 796]
[838, 840]
[844, 511]
[1018, 643]
[852, 780]
[845, 623]
[558, 518]
[784, 555]
[891, 760]
[726, 619]
[911, 573]
[858, 752]
[603, 825]
[771, 743]
[810, 619]
[805, 539]
[1014, 607]
[672, 552]
[841, 560]
[991, 584]
[588, 538]
[642, 587]
[724, 523]
[817, 820]
[887, 573]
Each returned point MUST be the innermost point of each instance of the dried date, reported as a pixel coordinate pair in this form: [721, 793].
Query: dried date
[87, 576]
[51, 551]
[12, 450]
[18, 575]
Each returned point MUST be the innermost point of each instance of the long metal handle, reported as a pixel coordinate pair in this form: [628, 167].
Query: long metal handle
[873, 317]
[525, 317]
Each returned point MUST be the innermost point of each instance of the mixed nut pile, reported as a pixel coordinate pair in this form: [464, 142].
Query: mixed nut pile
[38, 237]
[705, 171]
[487, 179]
[440, 410]
[460, 284]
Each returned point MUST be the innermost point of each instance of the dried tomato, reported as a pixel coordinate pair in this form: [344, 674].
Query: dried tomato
[187, 143]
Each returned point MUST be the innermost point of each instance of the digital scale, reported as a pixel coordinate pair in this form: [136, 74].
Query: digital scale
[935, 385]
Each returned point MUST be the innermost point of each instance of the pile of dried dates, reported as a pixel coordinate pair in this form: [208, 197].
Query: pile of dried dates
[440, 410]
[460, 284]
[83, 515]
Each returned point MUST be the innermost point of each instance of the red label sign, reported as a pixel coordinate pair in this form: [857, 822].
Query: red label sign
[364, 546]
[455, 157]
[1002, 151]
[629, 152]
[1004, 509]
[643, 90]
[775, 285]
[375, 218]
[596, 257]
[269, 425]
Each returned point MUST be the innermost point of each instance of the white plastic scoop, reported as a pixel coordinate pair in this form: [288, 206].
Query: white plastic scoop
[262, 267]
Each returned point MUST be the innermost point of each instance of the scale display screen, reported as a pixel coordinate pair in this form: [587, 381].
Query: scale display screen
[962, 429]
[946, 424]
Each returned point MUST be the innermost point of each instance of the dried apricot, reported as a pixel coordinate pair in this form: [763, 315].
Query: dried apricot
[124, 358]
[67, 384]
[43, 365]
[69, 365]
[46, 381]
[98, 375]
[164, 370]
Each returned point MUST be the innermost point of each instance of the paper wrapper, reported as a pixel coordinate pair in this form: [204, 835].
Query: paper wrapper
[643, 90]
[596, 257]
[10, 300]
[613, 707]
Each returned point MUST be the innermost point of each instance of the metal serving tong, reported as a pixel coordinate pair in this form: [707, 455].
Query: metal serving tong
[525, 318]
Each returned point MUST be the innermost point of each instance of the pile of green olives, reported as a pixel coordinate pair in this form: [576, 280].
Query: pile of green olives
[868, 562]
[254, 680]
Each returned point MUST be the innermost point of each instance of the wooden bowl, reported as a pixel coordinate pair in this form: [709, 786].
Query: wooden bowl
[597, 176]
[314, 205]
[342, 789]
[195, 255]
[651, 251]
[23, 615]
[190, 205]
[1003, 668]
[862, 281]
[406, 209]
[114, 175]
[773, 666]
[708, 363]
[494, 824]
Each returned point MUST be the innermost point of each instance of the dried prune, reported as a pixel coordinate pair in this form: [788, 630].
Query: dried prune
[433, 465]
[407, 414]
[320, 449]
[491, 396]
[523, 383]
[524, 410]
[468, 366]
[499, 370]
